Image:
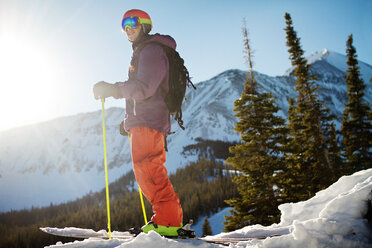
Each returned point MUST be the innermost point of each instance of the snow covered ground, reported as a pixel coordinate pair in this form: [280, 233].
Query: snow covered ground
[332, 218]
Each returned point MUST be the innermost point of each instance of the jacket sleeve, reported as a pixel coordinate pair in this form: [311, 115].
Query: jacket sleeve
[152, 69]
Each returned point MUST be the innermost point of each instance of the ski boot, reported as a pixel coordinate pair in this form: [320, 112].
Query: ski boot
[166, 231]
[162, 230]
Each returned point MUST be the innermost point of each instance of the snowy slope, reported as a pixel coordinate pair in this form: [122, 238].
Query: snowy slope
[62, 159]
[59, 160]
[334, 217]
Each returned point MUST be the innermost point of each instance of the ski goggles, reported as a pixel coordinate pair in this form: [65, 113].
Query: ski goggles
[133, 22]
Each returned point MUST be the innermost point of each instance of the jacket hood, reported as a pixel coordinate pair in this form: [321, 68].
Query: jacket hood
[163, 39]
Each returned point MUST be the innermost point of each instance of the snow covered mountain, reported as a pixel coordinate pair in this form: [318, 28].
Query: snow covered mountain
[330, 68]
[62, 159]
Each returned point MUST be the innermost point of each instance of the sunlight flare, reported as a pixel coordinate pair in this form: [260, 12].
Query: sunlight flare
[27, 79]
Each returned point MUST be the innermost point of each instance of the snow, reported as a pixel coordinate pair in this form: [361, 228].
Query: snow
[332, 218]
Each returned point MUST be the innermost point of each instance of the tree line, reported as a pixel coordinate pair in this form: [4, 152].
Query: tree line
[290, 160]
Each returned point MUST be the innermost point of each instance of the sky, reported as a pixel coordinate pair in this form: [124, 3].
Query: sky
[52, 52]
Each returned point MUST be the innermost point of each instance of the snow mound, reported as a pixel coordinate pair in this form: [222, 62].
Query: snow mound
[332, 218]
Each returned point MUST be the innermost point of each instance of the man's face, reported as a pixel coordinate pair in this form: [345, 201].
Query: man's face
[133, 33]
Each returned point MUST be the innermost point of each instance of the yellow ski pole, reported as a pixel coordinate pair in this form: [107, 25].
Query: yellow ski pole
[143, 205]
[140, 193]
[106, 177]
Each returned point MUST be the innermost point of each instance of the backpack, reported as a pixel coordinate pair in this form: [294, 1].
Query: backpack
[178, 80]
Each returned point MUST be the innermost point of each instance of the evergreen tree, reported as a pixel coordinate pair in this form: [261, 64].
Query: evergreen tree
[257, 157]
[370, 113]
[356, 123]
[206, 229]
[335, 151]
[309, 164]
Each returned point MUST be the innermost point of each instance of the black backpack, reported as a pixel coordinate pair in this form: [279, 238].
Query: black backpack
[178, 80]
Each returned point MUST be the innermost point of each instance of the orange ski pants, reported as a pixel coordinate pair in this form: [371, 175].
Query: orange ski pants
[148, 156]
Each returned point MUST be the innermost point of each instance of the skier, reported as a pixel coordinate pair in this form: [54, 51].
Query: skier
[147, 119]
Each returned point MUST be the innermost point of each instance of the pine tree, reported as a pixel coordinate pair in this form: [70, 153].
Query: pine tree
[206, 229]
[335, 151]
[370, 112]
[257, 157]
[309, 166]
[356, 123]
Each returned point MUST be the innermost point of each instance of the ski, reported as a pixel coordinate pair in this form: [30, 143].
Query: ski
[81, 233]
[228, 241]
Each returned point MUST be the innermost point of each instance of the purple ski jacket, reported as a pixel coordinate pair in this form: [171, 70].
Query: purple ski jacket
[147, 85]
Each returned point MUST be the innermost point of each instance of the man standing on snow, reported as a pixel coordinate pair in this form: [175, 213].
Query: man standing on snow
[147, 119]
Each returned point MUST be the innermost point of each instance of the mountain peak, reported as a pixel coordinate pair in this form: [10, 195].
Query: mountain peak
[319, 55]
[335, 59]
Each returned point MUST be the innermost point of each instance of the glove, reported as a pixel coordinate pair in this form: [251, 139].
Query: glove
[122, 130]
[104, 90]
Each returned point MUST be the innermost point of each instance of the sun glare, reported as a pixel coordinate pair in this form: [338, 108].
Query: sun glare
[27, 81]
